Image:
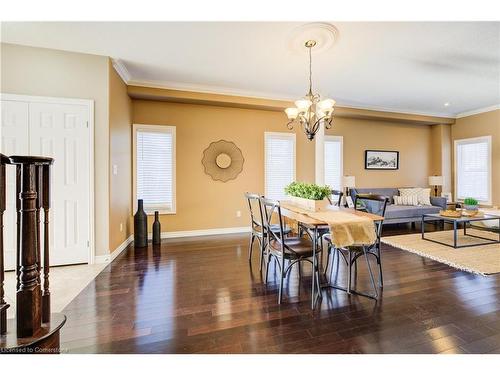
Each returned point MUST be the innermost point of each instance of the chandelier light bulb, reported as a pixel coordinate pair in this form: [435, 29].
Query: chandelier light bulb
[292, 113]
[326, 104]
[303, 104]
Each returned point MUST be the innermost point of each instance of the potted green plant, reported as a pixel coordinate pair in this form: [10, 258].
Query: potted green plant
[308, 196]
[470, 204]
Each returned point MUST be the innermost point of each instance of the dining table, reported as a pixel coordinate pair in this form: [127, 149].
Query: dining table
[298, 214]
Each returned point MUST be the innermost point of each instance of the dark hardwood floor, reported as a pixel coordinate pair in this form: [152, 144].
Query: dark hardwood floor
[201, 296]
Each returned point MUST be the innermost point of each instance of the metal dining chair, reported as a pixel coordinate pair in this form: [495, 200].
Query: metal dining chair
[375, 204]
[292, 249]
[258, 231]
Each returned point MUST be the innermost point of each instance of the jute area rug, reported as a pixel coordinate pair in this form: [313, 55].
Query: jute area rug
[483, 260]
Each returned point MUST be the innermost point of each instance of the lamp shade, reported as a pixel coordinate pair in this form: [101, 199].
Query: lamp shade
[436, 180]
[326, 105]
[349, 181]
[303, 104]
[292, 113]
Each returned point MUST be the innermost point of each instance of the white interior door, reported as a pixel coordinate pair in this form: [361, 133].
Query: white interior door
[59, 131]
[15, 141]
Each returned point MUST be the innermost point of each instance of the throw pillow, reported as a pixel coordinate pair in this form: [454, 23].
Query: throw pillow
[423, 194]
[410, 192]
[407, 200]
[424, 197]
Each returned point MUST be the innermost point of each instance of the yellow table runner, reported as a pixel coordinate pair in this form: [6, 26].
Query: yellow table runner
[346, 228]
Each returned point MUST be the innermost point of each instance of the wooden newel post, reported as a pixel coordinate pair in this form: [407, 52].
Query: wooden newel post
[46, 260]
[29, 294]
[3, 305]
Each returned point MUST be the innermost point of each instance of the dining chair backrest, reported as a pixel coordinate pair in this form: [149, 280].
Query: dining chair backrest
[255, 207]
[272, 208]
[374, 204]
[336, 198]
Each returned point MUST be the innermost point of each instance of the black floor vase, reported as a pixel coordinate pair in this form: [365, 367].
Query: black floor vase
[156, 229]
[140, 226]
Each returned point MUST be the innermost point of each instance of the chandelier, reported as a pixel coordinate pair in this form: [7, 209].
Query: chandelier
[310, 112]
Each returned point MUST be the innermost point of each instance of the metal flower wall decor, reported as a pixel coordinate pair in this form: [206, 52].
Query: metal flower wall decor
[222, 160]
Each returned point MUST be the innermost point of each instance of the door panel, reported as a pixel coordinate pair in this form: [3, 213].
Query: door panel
[60, 131]
[14, 141]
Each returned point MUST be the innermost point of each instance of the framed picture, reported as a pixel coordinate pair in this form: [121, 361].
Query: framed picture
[378, 159]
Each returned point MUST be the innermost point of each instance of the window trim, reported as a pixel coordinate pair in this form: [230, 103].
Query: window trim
[294, 162]
[486, 138]
[340, 139]
[158, 129]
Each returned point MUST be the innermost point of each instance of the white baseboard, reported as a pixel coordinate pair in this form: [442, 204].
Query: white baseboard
[110, 257]
[179, 234]
[202, 232]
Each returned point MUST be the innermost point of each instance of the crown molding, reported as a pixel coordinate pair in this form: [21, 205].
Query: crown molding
[204, 89]
[393, 110]
[122, 70]
[267, 96]
[478, 111]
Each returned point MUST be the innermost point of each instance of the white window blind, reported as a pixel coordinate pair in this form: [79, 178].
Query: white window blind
[333, 162]
[473, 168]
[155, 167]
[279, 163]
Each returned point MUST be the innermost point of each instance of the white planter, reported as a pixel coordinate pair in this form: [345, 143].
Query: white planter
[309, 204]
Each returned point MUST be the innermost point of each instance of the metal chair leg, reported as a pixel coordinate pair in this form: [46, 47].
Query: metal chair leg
[316, 273]
[380, 274]
[355, 272]
[282, 268]
[328, 253]
[349, 264]
[334, 256]
[268, 260]
[370, 271]
[250, 248]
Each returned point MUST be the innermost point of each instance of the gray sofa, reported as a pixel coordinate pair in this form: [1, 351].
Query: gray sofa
[402, 214]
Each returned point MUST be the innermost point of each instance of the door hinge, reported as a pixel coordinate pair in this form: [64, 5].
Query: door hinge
[87, 123]
[88, 243]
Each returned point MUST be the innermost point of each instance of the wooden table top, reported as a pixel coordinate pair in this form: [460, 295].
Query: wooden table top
[293, 212]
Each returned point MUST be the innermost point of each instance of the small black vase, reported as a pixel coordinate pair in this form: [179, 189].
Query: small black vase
[140, 226]
[156, 229]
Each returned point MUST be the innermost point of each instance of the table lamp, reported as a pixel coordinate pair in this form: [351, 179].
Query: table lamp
[435, 181]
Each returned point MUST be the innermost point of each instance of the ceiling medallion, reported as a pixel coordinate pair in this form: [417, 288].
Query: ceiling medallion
[310, 112]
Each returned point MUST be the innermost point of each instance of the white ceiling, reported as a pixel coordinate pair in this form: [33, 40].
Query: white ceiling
[407, 67]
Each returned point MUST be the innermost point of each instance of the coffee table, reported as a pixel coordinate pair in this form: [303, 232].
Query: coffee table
[460, 220]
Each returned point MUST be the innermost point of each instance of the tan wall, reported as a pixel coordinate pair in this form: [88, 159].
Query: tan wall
[483, 124]
[47, 72]
[412, 141]
[120, 155]
[201, 202]
[441, 154]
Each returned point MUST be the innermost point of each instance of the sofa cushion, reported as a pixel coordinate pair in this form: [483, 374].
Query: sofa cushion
[388, 192]
[395, 211]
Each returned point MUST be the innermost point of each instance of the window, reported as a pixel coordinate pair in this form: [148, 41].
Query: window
[279, 149]
[154, 157]
[473, 169]
[333, 162]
